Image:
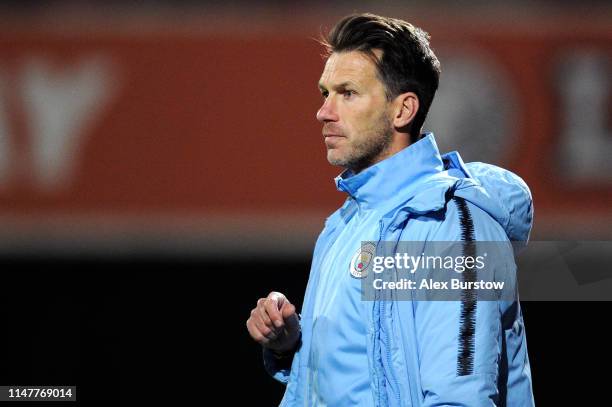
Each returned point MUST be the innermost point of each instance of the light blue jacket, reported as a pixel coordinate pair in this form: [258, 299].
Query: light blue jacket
[414, 348]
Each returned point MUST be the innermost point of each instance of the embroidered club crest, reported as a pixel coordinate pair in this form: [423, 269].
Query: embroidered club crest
[361, 260]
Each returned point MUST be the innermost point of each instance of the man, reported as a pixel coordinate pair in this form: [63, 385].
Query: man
[378, 83]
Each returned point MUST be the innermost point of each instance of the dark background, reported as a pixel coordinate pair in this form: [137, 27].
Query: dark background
[140, 330]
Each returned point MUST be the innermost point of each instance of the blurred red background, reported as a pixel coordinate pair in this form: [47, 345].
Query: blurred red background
[203, 128]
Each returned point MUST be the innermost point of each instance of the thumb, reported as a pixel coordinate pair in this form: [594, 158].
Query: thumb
[289, 315]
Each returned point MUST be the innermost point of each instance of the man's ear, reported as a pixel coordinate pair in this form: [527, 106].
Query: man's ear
[406, 106]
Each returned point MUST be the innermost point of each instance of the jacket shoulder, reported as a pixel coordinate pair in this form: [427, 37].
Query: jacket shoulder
[452, 223]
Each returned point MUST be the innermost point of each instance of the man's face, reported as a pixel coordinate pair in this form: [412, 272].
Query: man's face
[355, 114]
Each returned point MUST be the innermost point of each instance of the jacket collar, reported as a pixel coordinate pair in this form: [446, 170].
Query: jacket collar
[400, 174]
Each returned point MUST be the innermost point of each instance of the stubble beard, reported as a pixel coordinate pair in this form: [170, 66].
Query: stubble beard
[370, 150]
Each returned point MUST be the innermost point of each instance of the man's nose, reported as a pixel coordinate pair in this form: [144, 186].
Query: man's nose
[327, 112]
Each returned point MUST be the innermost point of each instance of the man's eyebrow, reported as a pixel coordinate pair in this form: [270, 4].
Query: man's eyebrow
[342, 85]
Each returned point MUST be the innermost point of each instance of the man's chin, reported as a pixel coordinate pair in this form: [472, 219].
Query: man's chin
[334, 159]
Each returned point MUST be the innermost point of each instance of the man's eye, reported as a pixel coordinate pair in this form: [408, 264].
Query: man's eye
[349, 93]
[324, 94]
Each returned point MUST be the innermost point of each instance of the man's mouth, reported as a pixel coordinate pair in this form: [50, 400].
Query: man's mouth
[332, 139]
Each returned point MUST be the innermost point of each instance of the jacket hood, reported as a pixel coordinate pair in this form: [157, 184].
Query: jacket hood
[501, 193]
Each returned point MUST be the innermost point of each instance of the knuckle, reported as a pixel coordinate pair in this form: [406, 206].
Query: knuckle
[275, 296]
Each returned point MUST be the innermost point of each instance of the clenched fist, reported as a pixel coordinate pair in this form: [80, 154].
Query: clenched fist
[274, 323]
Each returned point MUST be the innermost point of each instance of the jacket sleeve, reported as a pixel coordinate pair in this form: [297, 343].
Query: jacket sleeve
[458, 353]
[459, 342]
[278, 367]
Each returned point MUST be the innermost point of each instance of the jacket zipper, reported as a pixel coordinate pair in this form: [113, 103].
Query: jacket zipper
[383, 306]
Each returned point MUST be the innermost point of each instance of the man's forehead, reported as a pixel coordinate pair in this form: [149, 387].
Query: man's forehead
[348, 66]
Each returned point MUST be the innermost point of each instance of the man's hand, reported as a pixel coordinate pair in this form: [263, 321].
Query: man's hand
[274, 324]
